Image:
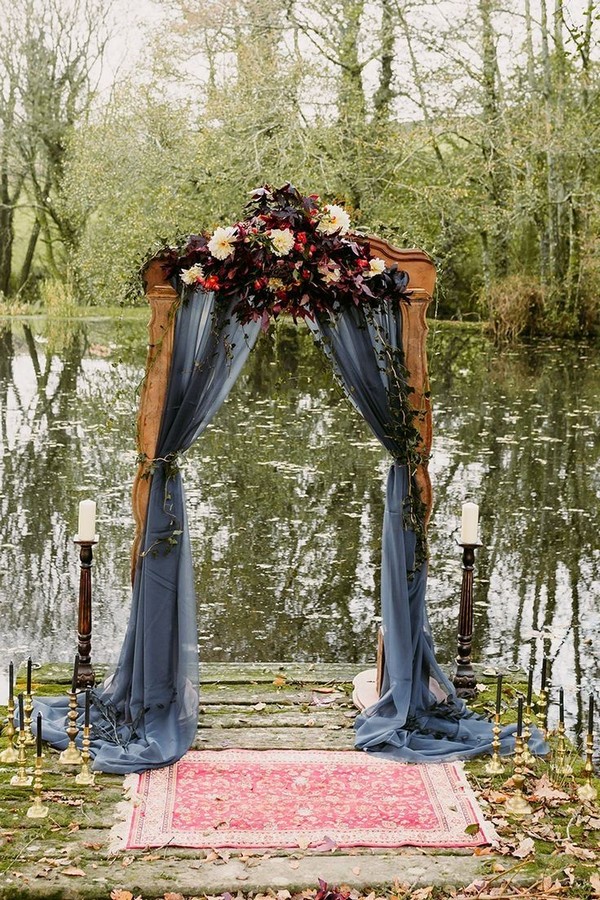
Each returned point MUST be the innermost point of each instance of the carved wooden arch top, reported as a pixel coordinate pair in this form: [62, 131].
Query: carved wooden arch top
[162, 298]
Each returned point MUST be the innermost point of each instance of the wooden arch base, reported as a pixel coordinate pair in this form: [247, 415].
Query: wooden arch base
[163, 299]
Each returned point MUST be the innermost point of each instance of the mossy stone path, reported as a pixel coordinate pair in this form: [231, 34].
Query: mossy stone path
[242, 705]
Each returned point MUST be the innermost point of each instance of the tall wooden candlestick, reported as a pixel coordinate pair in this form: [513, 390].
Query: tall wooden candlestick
[85, 673]
[464, 677]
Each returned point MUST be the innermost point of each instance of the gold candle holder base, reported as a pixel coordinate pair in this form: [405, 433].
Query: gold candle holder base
[37, 810]
[494, 766]
[28, 708]
[517, 805]
[72, 755]
[85, 777]
[10, 754]
[22, 779]
[587, 791]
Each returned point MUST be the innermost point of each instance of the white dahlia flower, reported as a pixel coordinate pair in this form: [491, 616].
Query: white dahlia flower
[192, 275]
[282, 240]
[222, 241]
[334, 219]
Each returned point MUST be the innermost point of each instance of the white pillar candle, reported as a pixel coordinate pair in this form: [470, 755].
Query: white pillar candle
[470, 520]
[87, 521]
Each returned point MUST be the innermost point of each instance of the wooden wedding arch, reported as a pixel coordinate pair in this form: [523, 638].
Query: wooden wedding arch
[162, 298]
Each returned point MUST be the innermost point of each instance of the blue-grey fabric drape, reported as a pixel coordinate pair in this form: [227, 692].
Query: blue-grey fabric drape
[146, 715]
[407, 722]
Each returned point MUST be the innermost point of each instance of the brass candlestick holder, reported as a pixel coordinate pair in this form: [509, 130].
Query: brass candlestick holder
[561, 766]
[21, 779]
[85, 777]
[587, 791]
[10, 755]
[28, 707]
[517, 805]
[542, 710]
[72, 755]
[528, 757]
[494, 766]
[37, 810]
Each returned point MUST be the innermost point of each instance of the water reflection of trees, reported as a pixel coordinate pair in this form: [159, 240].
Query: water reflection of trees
[525, 442]
[293, 471]
[51, 456]
[286, 503]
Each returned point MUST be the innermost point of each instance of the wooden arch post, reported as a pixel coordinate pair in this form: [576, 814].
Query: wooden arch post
[162, 298]
[421, 284]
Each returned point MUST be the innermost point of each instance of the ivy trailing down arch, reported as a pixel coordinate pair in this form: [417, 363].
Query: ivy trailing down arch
[290, 254]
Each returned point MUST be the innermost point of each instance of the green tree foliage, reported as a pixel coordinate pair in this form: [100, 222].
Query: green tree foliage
[470, 135]
[50, 52]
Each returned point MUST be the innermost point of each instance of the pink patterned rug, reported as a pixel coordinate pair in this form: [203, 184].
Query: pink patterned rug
[302, 798]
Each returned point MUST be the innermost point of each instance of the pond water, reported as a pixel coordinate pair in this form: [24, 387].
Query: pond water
[285, 499]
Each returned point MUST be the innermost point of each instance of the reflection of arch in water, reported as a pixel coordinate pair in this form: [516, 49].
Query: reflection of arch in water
[162, 298]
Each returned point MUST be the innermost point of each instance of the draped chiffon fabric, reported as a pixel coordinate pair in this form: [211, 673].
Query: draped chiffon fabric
[146, 715]
[364, 347]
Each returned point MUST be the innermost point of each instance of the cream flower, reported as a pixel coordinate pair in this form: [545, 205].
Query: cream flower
[376, 267]
[282, 240]
[329, 276]
[193, 274]
[222, 241]
[334, 219]
[275, 284]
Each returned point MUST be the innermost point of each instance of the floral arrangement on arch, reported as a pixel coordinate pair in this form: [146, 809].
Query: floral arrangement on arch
[290, 253]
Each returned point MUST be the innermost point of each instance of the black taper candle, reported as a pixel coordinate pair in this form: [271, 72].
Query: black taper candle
[591, 715]
[530, 687]
[21, 714]
[11, 682]
[29, 675]
[520, 717]
[86, 721]
[499, 693]
[544, 673]
[561, 705]
[75, 674]
[39, 735]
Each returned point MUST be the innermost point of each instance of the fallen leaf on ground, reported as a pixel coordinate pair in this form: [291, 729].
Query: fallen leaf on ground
[545, 790]
[293, 865]
[71, 870]
[578, 852]
[319, 699]
[127, 860]
[526, 847]
[283, 895]
[356, 870]
[259, 706]
[422, 893]
[172, 896]
[118, 894]
[279, 680]
[595, 883]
